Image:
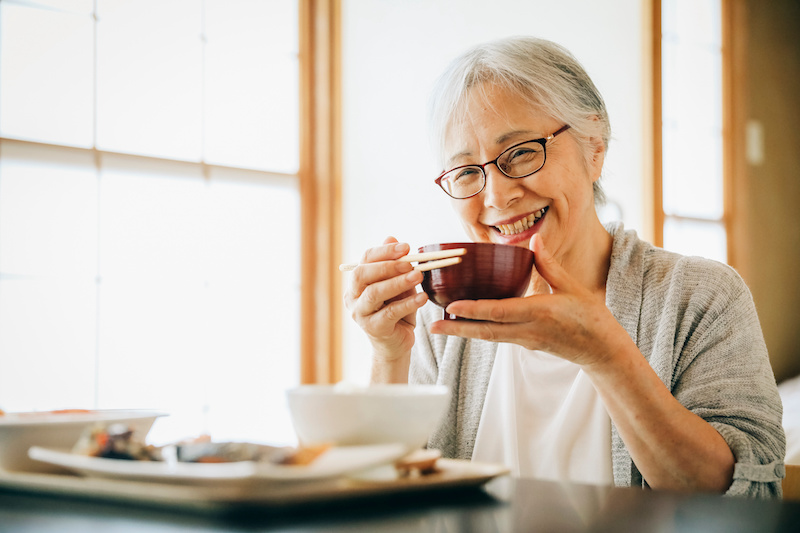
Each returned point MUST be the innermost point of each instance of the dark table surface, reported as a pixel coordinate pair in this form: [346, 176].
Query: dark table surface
[504, 504]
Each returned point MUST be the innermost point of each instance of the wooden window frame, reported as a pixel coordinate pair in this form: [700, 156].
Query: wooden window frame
[732, 54]
[320, 191]
[658, 176]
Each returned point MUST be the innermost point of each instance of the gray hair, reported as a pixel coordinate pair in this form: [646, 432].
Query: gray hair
[541, 72]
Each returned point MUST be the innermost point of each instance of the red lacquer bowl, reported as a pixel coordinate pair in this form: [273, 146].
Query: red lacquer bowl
[486, 272]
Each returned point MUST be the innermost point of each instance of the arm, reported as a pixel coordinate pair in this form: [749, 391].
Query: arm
[383, 301]
[671, 446]
[673, 443]
[723, 375]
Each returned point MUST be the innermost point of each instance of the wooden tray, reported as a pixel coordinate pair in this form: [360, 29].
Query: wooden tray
[451, 474]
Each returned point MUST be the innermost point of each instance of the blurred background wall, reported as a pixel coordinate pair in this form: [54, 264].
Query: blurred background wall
[766, 236]
[388, 71]
[392, 53]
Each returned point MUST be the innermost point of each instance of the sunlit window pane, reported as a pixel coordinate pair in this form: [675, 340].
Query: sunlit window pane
[695, 21]
[151, 224]
[157, 281]
[149, 77]
[46, 78]
[692, 174]
[151, 344]
[693, 86]
[47, 343]
[251, 118]
[48, 212]
[83, 7]
[691, 237]
[151, 330]
[253, 305]
[189, 291]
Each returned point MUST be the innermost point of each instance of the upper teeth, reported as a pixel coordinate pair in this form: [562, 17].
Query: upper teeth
[521, 224]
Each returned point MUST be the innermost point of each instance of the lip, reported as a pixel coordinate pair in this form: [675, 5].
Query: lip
[514, 219]
[517, 237]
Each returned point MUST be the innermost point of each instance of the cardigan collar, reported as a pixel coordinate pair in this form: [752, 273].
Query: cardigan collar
[625, 276]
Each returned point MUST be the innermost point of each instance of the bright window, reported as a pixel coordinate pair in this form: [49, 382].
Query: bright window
[149, 211]
[692, 178]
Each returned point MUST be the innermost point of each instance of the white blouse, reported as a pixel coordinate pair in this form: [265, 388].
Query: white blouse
[543, 418]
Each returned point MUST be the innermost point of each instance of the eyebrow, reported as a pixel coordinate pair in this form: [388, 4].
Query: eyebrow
[506, 136]
[498, 141]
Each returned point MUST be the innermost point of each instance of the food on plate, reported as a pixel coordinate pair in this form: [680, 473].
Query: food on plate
[204, 450]
[418, 463]
[304, 455]
[118, 441]
[115, 441]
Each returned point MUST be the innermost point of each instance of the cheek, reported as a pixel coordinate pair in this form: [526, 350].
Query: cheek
[468, 213]
[466, 210]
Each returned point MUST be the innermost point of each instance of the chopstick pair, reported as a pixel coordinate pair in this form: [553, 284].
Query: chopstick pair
[427, 260]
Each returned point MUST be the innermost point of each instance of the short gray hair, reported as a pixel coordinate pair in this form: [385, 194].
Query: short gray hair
[541, 72]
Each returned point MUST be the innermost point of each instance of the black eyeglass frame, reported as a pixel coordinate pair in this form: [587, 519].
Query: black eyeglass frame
[543, 141]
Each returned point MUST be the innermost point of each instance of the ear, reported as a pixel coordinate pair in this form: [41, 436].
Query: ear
[598, 152]
[598, 157]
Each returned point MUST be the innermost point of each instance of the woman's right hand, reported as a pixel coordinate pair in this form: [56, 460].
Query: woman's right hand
[383, 301]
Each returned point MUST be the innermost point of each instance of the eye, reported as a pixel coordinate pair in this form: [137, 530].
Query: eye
[469, 173]
[522, 160]
[522, 153]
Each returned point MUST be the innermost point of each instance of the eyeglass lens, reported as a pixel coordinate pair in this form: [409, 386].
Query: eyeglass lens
[516, 162]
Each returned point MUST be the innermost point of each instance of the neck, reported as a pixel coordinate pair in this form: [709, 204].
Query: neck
[587, 261]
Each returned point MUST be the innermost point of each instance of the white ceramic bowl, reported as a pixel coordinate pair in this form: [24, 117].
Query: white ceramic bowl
[20, 431]
[377, 414]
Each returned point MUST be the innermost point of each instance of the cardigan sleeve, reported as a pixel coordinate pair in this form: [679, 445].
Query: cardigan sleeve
[424, 367]
[723, 375]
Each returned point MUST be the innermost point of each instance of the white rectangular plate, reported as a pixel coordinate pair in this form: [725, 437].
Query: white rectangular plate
[334, 462]
[451, 474]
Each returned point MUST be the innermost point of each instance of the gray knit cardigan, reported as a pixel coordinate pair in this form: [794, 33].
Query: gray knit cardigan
[695, 322]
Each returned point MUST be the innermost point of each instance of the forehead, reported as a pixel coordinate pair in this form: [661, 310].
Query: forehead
[491, 116]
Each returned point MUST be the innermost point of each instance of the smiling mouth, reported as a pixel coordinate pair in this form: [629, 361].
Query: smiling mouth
[522, 224]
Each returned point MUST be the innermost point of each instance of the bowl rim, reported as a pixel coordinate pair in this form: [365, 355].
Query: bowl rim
[48, 418]
[386, 390]
[473, 243]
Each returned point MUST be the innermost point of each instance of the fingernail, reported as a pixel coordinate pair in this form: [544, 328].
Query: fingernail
[400, 247]
[414, 276]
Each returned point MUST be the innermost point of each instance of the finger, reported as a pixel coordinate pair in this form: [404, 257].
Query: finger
[382, 323]
[390, 250]
[369, 273]
[376, 295]
[547, 266]
[509, 310]
[476, 329]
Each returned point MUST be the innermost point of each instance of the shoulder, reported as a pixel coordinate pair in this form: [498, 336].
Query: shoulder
[696, 281]
[661, 272]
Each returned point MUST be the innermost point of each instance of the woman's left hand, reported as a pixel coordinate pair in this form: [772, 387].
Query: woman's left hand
[571, 321]
[672, 447]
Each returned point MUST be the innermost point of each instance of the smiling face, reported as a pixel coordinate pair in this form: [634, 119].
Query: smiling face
[556, 202]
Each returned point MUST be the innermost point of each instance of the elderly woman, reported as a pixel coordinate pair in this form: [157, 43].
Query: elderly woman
[624, 363]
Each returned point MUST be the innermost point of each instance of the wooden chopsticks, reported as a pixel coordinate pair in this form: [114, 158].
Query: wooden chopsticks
[427, 260]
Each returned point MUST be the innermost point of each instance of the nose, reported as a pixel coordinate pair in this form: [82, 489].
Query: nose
[500, 190]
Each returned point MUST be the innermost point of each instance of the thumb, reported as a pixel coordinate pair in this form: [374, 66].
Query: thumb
[546, 265]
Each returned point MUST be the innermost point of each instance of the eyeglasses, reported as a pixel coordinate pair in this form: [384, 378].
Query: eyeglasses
[518, 161]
